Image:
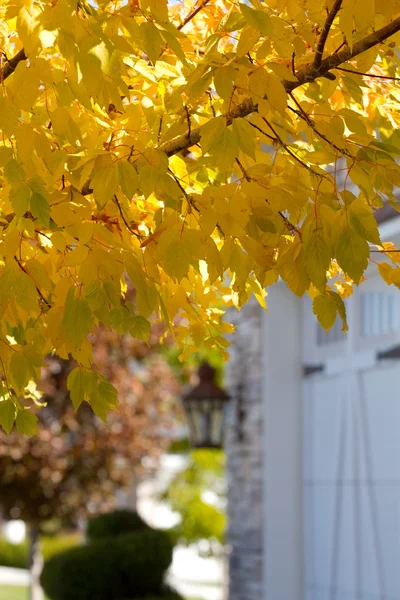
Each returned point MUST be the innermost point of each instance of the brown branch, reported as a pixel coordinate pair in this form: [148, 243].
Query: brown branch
[325, 32]
[306, 75]
[367, 74]
[11, 64]
[191, 15]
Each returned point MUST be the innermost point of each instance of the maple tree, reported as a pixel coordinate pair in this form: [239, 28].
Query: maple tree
[191, 150]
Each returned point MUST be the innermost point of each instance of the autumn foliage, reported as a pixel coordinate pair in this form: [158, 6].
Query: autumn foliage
[189, 151]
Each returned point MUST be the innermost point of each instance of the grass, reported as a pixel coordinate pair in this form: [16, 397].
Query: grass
[11, 592]
[8, 592]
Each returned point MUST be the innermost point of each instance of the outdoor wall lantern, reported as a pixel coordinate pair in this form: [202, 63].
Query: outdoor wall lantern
[204, 406]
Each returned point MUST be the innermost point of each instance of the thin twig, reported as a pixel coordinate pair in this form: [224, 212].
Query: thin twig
[192, 14]
[344, 43]
[178, 183]
[303, 115]
[189, 123]
[270, 137]
[367, 74]
[289, 151]
[36, 286]
[245, 174]
[159, 130]
[135, 233]
[325, 32]
[211, 103]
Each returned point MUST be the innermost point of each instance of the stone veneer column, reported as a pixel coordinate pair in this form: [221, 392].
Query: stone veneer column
[244, 457]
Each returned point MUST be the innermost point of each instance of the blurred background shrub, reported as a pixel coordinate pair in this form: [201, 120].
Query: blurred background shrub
[124, 559]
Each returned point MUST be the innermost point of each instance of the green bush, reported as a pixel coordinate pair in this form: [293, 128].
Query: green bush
[52, 545]
[16, 555]
[118, 522]
[127, 566]
[165, 593]
[13, 555]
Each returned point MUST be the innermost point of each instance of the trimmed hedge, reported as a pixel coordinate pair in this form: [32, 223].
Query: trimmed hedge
[16, 555]
[118, 522]
[127, 566]
[13, 555]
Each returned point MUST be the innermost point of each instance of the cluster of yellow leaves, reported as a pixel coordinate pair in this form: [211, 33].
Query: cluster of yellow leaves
[156, 146]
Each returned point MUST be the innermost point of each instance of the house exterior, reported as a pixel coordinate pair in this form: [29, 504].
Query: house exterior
[313, 447]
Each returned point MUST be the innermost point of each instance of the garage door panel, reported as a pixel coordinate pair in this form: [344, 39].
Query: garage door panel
[380, 389]
[324, 413]
[352, 485]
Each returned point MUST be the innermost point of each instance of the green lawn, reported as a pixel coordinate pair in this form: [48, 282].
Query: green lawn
[8, 592]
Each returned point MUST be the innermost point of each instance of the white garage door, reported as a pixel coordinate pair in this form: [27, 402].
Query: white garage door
[352, 452]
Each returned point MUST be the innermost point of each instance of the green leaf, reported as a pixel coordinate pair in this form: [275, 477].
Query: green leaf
[7, 415]
[127, 178]
[146, 292]
[224, 148]
[245, 135]
[317, 255]
[26, 422]
[77, 386]
[40, 208]
[352, 253]
[159, 9]
[20, 371]
[341, 308]
[14, 171]
[223, 81]
[104, 184]
[152, 40]
[257, 19]
[19, 198]
[9, 115]
[178, 257]
[140, 329]
[104, 398]
[77, 320]
[364, 222]
[325, 309]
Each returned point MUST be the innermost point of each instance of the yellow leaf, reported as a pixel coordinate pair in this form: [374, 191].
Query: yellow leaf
[248, 38]
[324, 307]
[352, 253]
[77, 257]
[276, 93]
[317, 254]
[159, 9]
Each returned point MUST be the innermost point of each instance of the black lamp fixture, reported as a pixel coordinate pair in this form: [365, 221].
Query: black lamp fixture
[204, 407]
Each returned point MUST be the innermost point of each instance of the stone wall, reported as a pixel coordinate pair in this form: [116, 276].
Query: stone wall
[244, 453]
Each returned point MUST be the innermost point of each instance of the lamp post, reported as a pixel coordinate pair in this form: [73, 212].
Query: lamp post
[204, 407]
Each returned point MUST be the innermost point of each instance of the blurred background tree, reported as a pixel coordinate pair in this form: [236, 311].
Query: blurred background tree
[198, 495]
[76, 464]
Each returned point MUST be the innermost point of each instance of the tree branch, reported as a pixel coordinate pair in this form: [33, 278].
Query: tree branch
[306, 75]
[11, 65]
[367, 74]
[191, 15]
[325, 32]
[309, 73]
